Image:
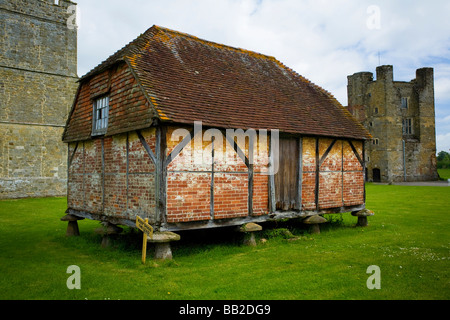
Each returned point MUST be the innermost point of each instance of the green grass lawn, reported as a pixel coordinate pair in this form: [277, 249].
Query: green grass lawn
[444, 174]
[408, 238]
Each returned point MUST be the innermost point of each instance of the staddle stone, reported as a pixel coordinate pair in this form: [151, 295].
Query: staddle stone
[72, 227]
[162, 237]
[250, 227]
[162, 241]
[315, 221]
[363, 213]
[362, 217]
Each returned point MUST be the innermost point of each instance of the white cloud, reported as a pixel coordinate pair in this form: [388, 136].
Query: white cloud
[325, 41]
[443, 142]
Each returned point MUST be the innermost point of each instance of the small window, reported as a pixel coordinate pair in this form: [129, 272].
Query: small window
[376, 111]
[375, 141]
[101, 112]
[405, 103]
[407, 126]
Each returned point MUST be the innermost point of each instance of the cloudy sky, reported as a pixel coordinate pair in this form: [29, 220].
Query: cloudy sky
[323, 40]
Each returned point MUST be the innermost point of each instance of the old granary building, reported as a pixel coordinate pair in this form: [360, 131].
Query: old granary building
[149, 135]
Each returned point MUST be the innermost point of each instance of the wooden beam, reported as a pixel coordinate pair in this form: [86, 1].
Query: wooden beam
[298, 198]
[272, 199]
[72, 156]
[356, 153]
[163, 176]
[103, 174]
[251, 147]
[158, 167]
[364, 168]
[316, 192]
[342, 171]
[146, 147]
[211, 201]
[178, 148]
[127, 147]
[238, 150]
[277, 215]
[84, 175]
[327, 152]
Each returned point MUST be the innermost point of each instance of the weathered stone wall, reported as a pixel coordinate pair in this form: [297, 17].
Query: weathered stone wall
[37, 86]
[377, 104]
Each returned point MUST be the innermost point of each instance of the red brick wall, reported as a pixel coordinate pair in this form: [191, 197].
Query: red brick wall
[353, 192]
[124, 196]
[189, 183]
[341, 178]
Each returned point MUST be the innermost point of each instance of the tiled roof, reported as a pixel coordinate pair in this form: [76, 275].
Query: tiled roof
[188, 79]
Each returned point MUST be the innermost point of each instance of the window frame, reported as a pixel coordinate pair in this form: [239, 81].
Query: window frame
[100, 117]
[407, 126]
[404, 103]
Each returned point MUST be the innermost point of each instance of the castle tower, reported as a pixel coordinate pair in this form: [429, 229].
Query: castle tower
[38, 75]
[401, 118]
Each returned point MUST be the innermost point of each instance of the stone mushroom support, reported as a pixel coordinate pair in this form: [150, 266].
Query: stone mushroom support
[249, 230]
[107, 231]
[72, 227]
[315, 221]
[362, 217]
[162, 242]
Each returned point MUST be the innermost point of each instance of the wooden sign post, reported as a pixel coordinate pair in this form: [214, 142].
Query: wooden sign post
[148, 232]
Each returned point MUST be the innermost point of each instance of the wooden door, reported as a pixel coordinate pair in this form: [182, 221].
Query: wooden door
[286, 179]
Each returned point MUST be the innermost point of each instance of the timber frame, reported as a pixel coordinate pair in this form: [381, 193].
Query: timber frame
[162, 161]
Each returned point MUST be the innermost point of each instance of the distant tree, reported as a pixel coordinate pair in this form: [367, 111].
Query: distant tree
[442, 155]
[443, 160]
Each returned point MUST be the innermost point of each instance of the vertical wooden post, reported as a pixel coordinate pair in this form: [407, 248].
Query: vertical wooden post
[300, 174]
[251, 145]
[272, 201]
[103, 175]
[211, 201]
[158, 175]
[364, 167]
[84, 175]
[127, 147]
[144, 245]
[317, 174]
[342, 172]
[163, 176]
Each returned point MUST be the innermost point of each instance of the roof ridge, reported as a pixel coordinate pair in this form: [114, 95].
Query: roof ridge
[214, 44]
[125, 51]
